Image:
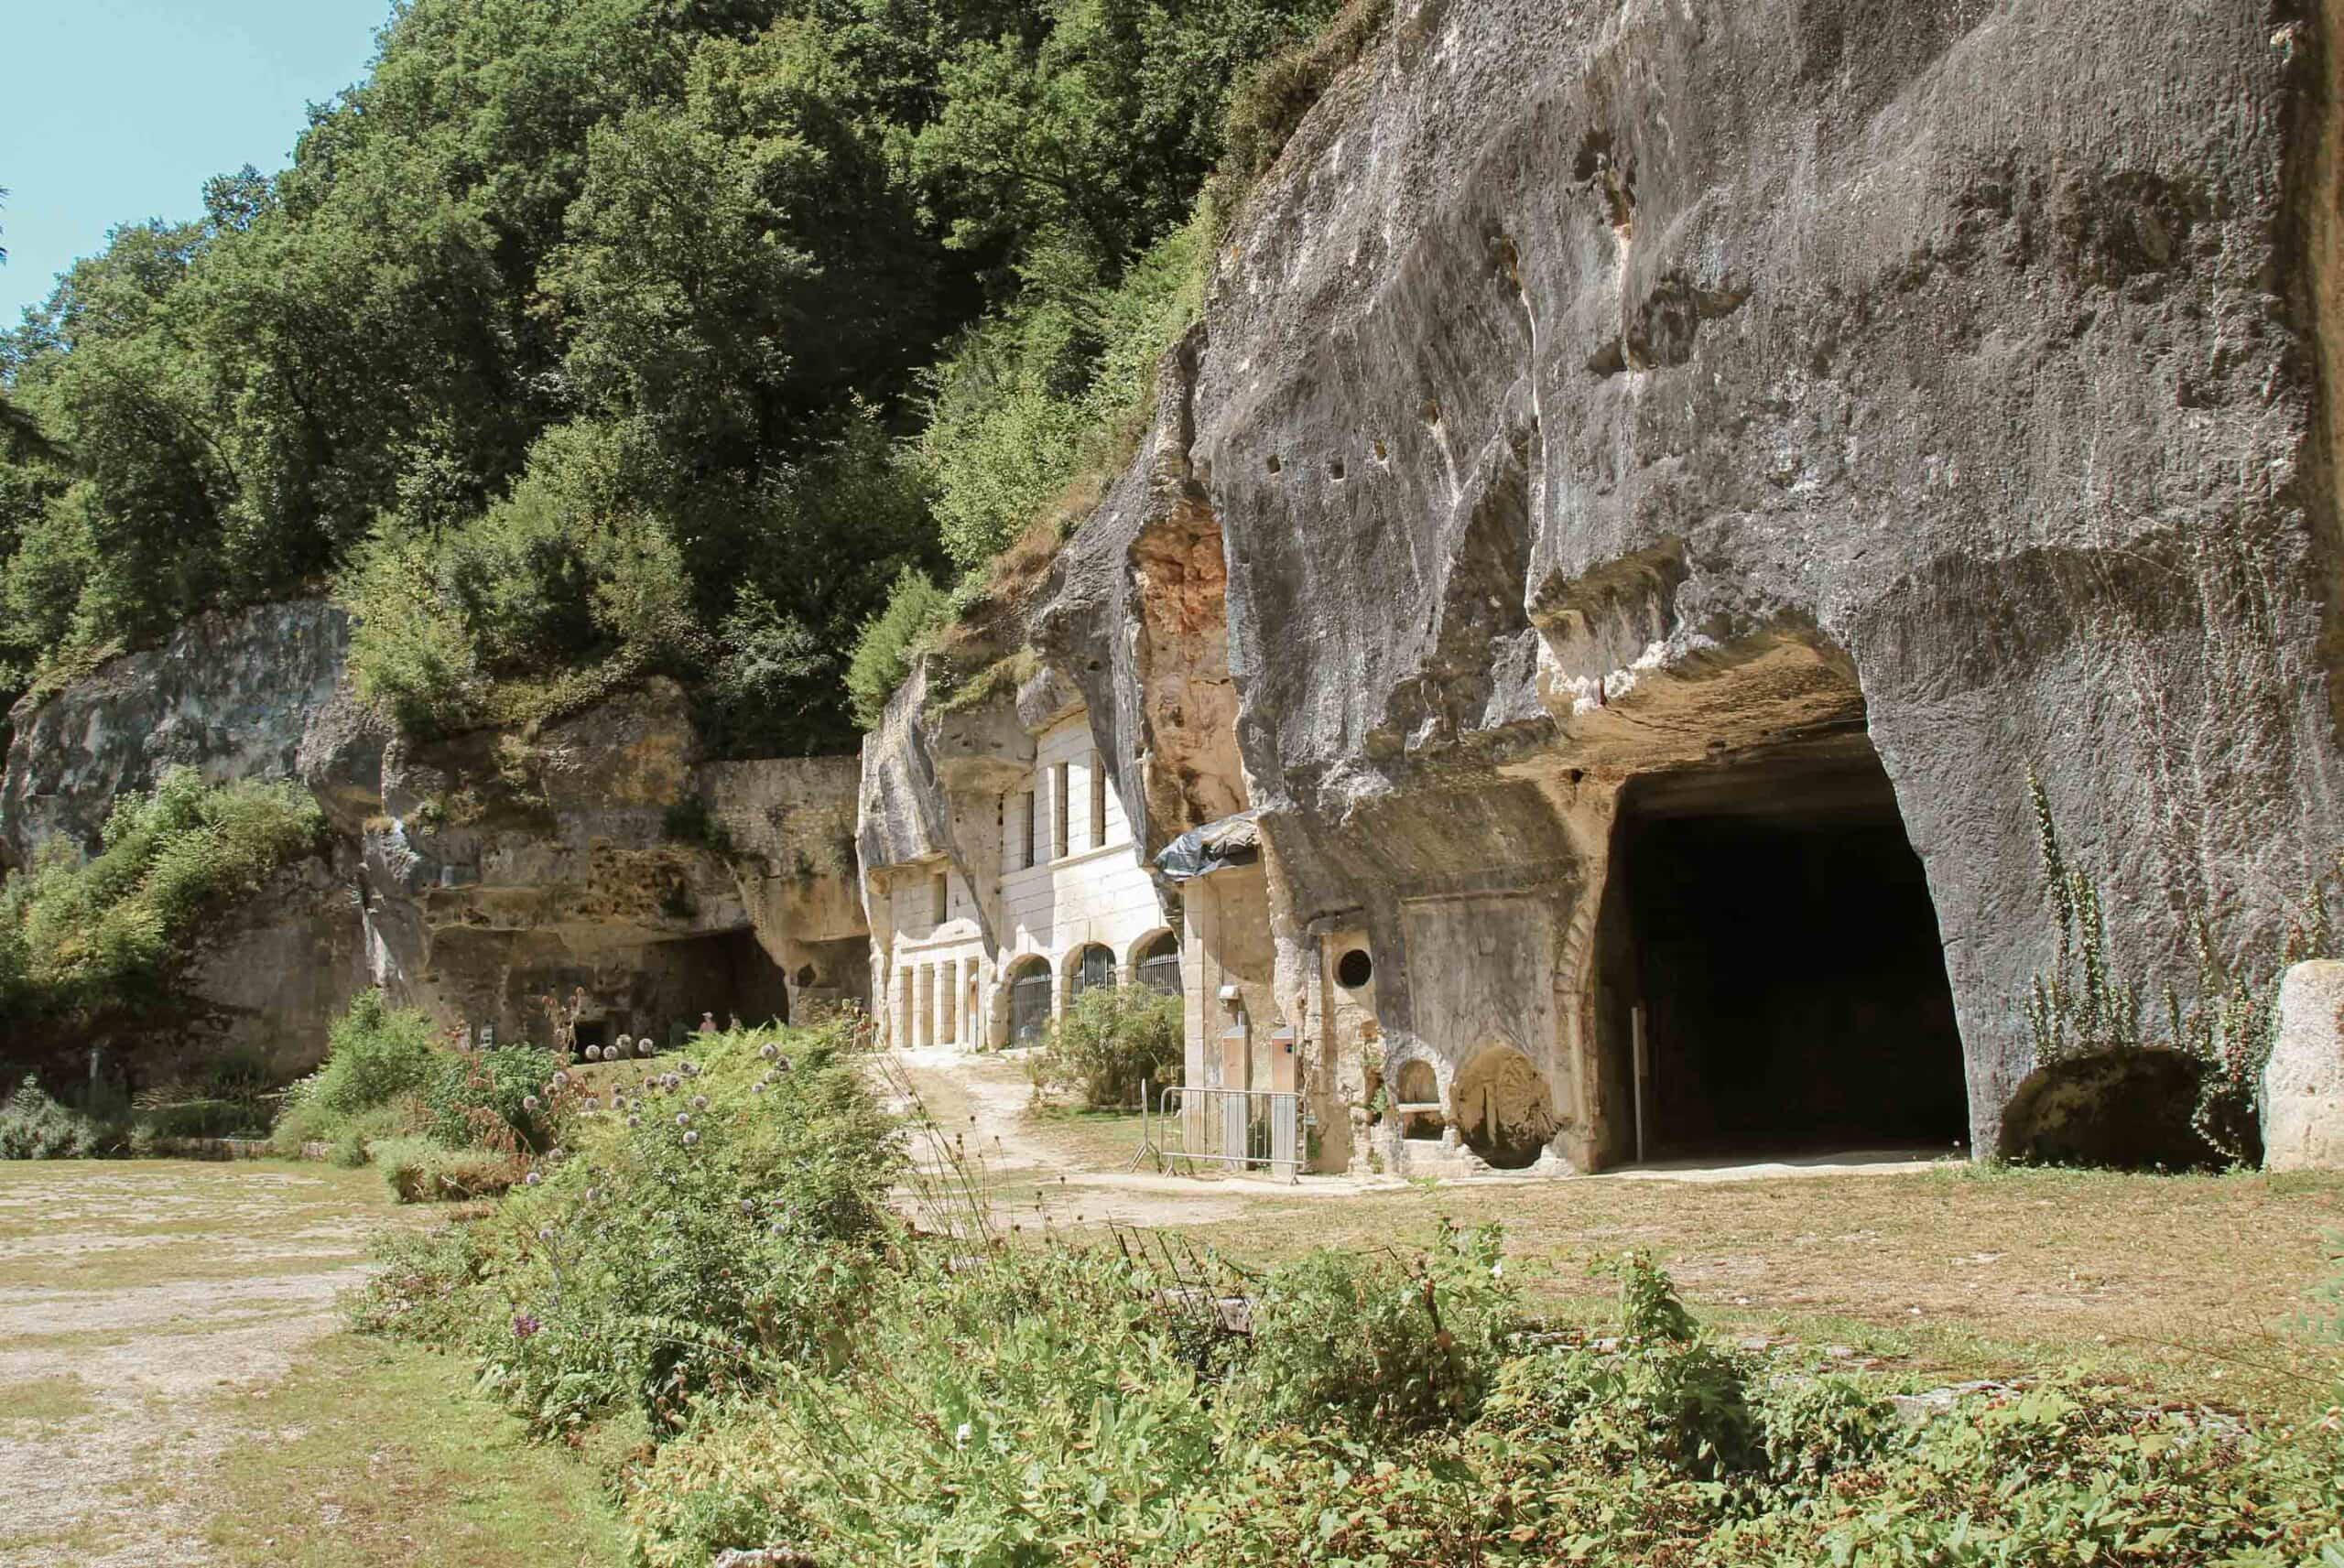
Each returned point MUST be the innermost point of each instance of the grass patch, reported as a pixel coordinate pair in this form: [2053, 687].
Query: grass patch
[1085, 1138]
[2187, 1286]
[46, 1401]
[379, 1453]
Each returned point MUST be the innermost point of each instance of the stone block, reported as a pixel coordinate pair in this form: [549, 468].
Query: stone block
[2303, 1084]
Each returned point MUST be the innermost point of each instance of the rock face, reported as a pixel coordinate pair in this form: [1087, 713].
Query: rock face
[1676, 471]
[473, 876]
[230, 695]
[2303, 1085]
[233, 695]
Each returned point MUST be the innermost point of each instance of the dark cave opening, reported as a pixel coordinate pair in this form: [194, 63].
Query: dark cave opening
[1772, 920]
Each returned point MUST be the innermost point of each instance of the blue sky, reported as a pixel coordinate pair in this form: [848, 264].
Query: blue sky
[117, 111]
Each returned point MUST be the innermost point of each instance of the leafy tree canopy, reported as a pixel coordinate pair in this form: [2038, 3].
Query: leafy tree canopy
[586, 338]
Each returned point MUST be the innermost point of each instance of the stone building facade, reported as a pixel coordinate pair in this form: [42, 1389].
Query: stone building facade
[1044, 893]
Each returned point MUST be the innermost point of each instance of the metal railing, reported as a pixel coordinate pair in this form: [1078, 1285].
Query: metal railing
[1242, 1128]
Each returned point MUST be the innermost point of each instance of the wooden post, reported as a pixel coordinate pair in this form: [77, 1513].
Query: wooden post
[1643, 1068]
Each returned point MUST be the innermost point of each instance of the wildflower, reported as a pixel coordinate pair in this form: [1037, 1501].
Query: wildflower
[683, 1118]
[690, 1139]
[699, 1102]
[562, 1080]
[544, 1233]
[770, 1051]
[593, 1194]
[758, 1087]
[530, 1180]
[528, 1102]
[524, 1325]
[960, 1437]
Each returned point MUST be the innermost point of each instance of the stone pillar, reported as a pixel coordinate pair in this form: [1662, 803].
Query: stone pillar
[923, 998]
[948, 987]
[2303, 1084]
[900, 1026]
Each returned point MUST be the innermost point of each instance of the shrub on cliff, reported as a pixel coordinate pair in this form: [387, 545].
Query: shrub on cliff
[889, 641]
[95, 950]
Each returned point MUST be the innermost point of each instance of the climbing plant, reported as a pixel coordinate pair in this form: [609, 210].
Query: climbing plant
[2225, 1019]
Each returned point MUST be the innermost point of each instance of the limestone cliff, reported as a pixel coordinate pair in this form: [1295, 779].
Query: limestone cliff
[474, 874]
[1613, 423]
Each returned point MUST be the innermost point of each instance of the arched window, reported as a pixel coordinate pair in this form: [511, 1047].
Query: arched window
[1155, 963]
[1094, 967]
[1029, 999]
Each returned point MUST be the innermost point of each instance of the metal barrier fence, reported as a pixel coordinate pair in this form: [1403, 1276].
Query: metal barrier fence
[1242, 1128]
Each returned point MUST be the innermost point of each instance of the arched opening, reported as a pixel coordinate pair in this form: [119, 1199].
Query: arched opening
[1416, 1098]
[1029, 999]
[1091, 968]
[1772, 978]
[1155, 963]
[1355, 969]
[2131, 1110]
[1504, 1111]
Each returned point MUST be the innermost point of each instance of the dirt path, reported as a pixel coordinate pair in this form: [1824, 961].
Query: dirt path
[985, 1103]
[144, 1308]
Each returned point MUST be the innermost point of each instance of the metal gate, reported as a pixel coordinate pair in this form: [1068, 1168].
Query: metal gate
[1094, 966]
[1244, 1128]
[1160, 972]
[1029, 1007]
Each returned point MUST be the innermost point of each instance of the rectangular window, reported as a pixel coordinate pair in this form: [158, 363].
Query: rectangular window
[1059, 845]
[1029, 826]
[1098, 800]
[942, 899]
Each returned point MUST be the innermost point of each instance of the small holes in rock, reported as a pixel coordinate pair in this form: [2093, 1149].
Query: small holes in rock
[1355, 969]
[1428, 411]
[1334, 468]
[1381, 455]
[1275, 464]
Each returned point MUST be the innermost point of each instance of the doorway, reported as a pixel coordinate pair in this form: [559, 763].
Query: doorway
[1769, 918]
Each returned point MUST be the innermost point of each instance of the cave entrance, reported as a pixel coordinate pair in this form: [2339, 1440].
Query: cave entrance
[1769, 919]
[727, 973]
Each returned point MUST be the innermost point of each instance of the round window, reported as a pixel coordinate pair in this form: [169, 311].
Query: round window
[1355, 969]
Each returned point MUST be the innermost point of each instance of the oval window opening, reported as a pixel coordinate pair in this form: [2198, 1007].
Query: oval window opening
[1355, 969]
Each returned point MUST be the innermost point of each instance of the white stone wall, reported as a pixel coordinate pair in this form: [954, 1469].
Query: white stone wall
[936, 982]
[1086, 885]
[1090, 886]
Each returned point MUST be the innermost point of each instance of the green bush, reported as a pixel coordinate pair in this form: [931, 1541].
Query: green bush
[677, 1245]
[1380, 1342]
[1663, 1396]
[1108, 1043]
[480, 1100]
[374, 1052]
[419, 1169]
[35, 1126]
[889, 642]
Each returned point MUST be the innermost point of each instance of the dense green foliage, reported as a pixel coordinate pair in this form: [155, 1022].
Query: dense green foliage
[706, 1211]
[715, 1292]
[588, 338]
[36, 1124]
[1110, 1041]
[94, 949]
[439, 1122]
